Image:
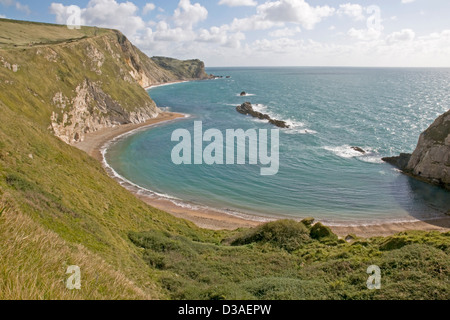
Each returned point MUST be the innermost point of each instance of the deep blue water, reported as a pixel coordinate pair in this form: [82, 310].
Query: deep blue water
[382, 111]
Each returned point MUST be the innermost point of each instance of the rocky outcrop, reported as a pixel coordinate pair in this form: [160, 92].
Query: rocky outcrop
[247, 109]
[183, 69]
[91, 110]
[400, 162]
[430, 162]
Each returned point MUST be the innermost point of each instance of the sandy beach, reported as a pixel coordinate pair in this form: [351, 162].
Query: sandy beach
[217, 220]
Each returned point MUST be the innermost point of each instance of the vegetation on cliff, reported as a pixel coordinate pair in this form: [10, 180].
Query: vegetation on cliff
[58, 208]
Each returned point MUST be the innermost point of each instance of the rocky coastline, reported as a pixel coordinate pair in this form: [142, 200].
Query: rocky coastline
[430, 162]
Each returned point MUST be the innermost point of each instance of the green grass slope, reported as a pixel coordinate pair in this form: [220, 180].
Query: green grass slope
[58, 208]
[183, 69]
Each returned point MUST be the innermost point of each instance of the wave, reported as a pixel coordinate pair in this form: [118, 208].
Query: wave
[295, 127]
[347, 152]
[247, 95]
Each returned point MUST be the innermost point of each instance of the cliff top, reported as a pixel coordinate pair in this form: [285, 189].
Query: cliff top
[19, 34]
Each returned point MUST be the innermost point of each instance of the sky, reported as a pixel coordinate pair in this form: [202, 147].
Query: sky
[370, 33]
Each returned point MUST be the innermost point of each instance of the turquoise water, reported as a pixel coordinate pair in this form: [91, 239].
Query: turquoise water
[382, 111]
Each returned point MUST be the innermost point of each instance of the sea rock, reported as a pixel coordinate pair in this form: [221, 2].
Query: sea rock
[358, 149]
[247, 109]
[243, 94]
[430, 162]
[400, 161]
[279, 123]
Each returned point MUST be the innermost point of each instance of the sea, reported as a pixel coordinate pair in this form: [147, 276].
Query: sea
[329, 111]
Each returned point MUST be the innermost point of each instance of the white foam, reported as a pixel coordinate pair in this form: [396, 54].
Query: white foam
[295, 127]
[344, 151]
[348, 152]
[246, 95]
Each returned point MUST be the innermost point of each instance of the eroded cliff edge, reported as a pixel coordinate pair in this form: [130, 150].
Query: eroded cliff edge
[430, 162]
[81, 81]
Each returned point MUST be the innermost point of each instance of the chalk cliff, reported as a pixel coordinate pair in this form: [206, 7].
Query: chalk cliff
[430, 162]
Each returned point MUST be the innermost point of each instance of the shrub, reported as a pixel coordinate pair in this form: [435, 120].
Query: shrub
[321, 232]
[285, 234]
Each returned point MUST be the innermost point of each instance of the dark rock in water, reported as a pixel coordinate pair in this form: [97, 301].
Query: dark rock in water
[243, 94]
[400, 162]
[228, 77]
[359, 150]
[247, 109]
[279, 123]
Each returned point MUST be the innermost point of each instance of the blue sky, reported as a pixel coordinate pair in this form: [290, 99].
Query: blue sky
[407, 33]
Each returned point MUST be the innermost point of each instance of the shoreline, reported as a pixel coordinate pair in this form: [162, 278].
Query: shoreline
[208, 218]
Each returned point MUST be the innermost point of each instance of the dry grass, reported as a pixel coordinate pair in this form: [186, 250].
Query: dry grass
[34, 263]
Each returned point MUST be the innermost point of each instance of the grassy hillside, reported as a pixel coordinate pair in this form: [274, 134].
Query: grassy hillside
[58, 208]
[183, 69]
[16, 34]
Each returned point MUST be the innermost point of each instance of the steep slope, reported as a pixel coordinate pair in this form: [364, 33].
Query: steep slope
[92, 80]
[430, 162]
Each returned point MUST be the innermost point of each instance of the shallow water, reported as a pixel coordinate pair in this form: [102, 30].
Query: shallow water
[330, 110]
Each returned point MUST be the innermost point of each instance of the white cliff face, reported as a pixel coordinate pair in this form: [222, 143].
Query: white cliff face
[92, 110]
[90, 106]
[431, 159]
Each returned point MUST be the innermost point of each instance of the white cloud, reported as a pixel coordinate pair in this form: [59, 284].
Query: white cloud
[407, 1]
[354, 11]
[2, 16]
[364, 34]
[147, 8]
[187, 15]
[255, 22]
[221, 35]
[278, 13]
[403, 35]
[296, 11]
[238, 3]
[19, 6]
[284, 33]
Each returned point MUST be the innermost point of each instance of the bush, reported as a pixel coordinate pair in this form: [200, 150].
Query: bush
[286, 234]
[321, 232]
